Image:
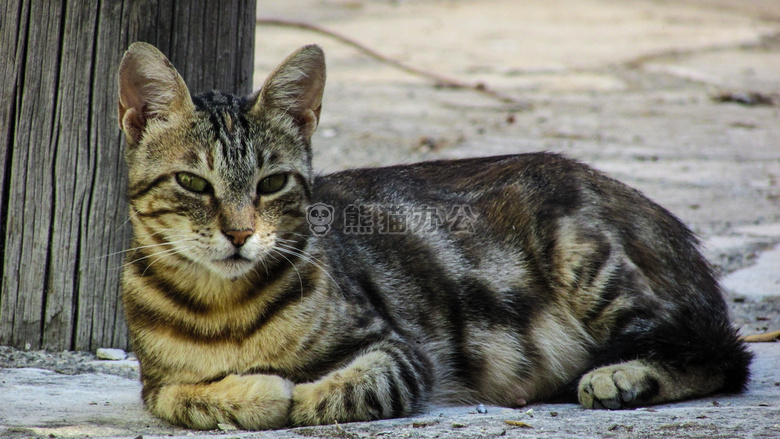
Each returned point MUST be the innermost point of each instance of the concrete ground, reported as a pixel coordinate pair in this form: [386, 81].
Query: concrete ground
[680, 99]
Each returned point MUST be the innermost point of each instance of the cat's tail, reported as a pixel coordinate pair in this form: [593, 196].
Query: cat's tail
[711, 343]
[689, 353]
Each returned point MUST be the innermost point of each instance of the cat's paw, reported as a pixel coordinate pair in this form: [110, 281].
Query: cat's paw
[250, 402]
[615, 387]
[259, 402]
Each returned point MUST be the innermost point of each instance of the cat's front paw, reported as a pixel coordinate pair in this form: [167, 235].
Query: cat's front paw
[259, 402]
[250, 402]
[616, 387]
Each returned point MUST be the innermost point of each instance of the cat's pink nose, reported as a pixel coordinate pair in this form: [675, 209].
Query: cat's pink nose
[238, 237]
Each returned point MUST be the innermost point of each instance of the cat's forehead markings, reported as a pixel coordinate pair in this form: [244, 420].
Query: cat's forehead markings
[227, 147]
[192, 157]
[269, 157]
[227, 122]
[222, 109]
[210, 159]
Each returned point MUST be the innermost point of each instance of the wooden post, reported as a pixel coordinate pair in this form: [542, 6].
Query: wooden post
[62, 173]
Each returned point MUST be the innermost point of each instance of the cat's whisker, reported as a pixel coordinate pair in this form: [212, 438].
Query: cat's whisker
[300, 279]
[291, 241]
[265, 267]
[161, 231]
[178, 241]
[306, 256]
[161, 257]
[142, 247]
[129, 263]
[310, 259]
[164, 252]
[296, 252]
[129, 218]
[290, 232]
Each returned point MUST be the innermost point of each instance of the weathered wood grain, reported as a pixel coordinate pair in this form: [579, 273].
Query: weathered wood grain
[62, 207]
[11, 28]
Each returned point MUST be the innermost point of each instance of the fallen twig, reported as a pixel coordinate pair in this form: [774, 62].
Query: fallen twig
[440, 80]
[748, 99]
[518, 423]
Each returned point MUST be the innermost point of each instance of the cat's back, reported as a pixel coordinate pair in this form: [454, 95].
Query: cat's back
[528, 190]
[562, 218]
[462, 179]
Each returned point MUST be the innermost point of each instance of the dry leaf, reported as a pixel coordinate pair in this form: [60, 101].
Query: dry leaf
[762, 338]
[518, 424]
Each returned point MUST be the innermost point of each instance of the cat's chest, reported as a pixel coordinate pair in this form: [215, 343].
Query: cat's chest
[257, 343]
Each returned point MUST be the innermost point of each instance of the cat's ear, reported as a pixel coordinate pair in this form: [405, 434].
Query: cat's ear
[295, 88]
[149, 88]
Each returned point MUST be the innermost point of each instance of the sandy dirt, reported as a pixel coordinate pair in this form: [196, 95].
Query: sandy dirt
[680, 99]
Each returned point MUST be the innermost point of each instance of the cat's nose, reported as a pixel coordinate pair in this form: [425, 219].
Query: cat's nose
[238, 237]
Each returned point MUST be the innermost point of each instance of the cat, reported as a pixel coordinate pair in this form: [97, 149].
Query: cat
[262, 295]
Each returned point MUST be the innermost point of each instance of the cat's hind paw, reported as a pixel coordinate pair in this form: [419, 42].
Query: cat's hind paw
[615, 387]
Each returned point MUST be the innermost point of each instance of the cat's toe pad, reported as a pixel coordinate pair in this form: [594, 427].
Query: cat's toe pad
[616, 387]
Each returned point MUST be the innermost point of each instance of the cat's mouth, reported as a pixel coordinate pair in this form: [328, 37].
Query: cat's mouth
[232, 261]
[233, 266]
[234, 258]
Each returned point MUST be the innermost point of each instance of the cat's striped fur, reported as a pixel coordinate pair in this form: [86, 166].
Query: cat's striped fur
[563, 283]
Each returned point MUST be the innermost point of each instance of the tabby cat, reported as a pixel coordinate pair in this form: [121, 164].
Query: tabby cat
[262, 295]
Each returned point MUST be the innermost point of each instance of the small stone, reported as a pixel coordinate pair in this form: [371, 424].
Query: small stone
[481, 409]
[329, 133]
[111, 354]
[227, 427]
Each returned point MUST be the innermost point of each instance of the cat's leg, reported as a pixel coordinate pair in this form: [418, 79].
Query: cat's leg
[643, 382]
[382, 383]
[252, 402]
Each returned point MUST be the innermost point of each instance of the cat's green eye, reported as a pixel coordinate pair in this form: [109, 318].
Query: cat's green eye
[192, 182]
[272, 184]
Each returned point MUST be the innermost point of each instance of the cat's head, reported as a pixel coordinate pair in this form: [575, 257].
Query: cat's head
[214, 179]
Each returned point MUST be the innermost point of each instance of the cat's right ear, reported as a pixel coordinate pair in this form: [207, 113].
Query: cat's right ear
[295, 88]
[149, 88]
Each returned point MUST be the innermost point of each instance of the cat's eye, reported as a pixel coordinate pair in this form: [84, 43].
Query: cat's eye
[272, 184]
[192, 182]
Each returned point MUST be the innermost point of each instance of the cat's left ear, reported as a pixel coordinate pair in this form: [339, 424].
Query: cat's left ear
[149, 88]
[295, 88]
